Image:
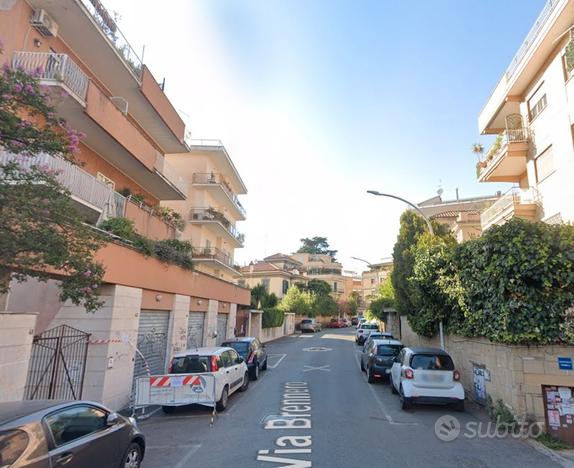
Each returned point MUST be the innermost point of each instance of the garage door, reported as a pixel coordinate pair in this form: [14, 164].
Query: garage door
[195, 329]
[152, 342]
[221, 328]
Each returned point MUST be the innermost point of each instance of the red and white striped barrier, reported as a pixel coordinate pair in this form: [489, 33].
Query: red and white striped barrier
[114, 340]
[165, 380]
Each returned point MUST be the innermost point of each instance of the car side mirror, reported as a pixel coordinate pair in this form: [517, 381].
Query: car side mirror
[112, 419]
[238, 360]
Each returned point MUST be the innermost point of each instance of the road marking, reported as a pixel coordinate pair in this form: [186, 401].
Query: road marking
[278, 362]
[183, 462]
[317, 349]
[320, 368]
[379, 402]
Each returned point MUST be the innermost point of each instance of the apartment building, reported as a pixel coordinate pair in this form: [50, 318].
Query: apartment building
[276, 272]
[212, 206]
[373, 278]
[461, 215]
[151, 309]
[324, 267]
[531, 111]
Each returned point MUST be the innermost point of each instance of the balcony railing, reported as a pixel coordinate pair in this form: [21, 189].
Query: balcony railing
[81, 184]
[506, 206]
[110, 29]
[170, 173]
[203, 141]
[500, 146]
[217, 179]
[57, 68]
[213, 253]
[210, 214]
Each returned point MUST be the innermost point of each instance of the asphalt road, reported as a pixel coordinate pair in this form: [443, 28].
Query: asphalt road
[353, 423]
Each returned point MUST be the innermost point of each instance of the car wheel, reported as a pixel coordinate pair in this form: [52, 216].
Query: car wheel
[245, 382]
[406, 403]
[362, 366]
[459, 406]
[370, 376]
[168, 409]
[264, 366]
[133, 456]
[255, 371]
[222, 403]
[393, 389]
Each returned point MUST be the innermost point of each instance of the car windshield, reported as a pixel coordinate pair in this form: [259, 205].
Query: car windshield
[369, 326]
[306, 321]
[242, 347]
[190, 364]
[388, 350]
[432, 362]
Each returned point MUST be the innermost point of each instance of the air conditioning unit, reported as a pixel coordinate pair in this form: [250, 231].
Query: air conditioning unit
[44, 24]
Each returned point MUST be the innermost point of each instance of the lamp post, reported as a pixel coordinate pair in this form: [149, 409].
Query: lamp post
[431, 230]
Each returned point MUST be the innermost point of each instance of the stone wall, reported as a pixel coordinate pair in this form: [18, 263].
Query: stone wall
[514, 374]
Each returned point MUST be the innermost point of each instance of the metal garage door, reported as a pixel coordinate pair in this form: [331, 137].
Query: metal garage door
[195, 329]
[221, 328]
[152, 342]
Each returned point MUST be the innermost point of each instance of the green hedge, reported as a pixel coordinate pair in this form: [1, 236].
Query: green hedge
[272, 318]
[514, 284]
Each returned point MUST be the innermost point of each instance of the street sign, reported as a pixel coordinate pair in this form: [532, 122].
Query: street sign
[565, 363]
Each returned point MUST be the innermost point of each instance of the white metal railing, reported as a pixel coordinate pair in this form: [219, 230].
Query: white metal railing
[170, 173]
[110, 29]
[81, 184]
[211, 214]
[532, 35]
[496, 151]
[58, 68]
[212, 253]
[204, 142]
[218, 179]
[507, 202]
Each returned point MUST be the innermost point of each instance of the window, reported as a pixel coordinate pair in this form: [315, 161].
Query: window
[106, 180]
[265, 283]
[189, 364]
[233, 356]
[432, 362]
[335, 287]
[285, 286]
[72, 423]
[207, 244]
[372, 280]
[226, 359]
[537, 103]
[12, 445]
[388, 350]
[544, 164]
[242, 347]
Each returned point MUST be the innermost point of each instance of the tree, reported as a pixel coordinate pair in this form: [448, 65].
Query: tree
[42, 234]
[354, 302]
[323, 305]
[315, 286]
[316, 245]
[412, 228]
[297, 301]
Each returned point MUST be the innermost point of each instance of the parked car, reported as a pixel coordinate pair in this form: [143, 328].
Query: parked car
[228, 368]
[346, 322]
[378, 356]
[361, 320]
[355, 321]
[310, 325]
[426, 375]
[336, 323]
[252, 351]
[77, 434]
[363, 332]
[376, 335]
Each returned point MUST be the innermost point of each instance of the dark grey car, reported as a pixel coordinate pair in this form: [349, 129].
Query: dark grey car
[48, 433]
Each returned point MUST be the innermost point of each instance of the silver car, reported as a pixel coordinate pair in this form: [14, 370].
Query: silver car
[310, 326]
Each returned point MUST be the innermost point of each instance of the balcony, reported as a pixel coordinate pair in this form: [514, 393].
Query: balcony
[94, 36]
[220, 190]
[517, 202]
[95, 199]
[213, 217]
[506, 158]
[109, 131]
[147, 222]
[215, 257]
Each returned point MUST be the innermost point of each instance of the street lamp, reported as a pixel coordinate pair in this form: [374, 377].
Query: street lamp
[431, 230]
[362, 260]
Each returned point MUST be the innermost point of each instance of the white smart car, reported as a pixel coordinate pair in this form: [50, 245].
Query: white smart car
[225, 364]
[426, 375]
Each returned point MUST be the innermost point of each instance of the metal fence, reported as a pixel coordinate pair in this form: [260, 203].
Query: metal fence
[507, 202]
[57, 364]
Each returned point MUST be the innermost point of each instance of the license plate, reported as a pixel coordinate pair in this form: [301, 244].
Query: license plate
[387, 371]
[432, 378]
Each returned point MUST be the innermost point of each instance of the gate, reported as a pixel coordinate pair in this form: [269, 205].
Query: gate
[152, 343]
[221, 328]
[57, 364]
[241, 322]
[195, 330]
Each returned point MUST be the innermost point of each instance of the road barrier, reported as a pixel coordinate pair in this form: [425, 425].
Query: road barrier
[175, 390]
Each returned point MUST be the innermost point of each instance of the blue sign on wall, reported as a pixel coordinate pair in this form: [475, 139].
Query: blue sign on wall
[565, 363]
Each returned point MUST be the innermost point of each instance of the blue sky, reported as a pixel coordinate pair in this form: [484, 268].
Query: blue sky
[319, 100]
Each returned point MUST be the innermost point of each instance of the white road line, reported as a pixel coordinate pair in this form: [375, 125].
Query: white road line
[379, 402]
[278, 362]
[183, 462]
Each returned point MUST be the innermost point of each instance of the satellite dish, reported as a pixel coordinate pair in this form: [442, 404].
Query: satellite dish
[440, 191]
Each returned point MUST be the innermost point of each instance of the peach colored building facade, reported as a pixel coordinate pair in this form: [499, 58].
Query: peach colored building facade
[531, 112]
[134, 159]
[323, 267]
